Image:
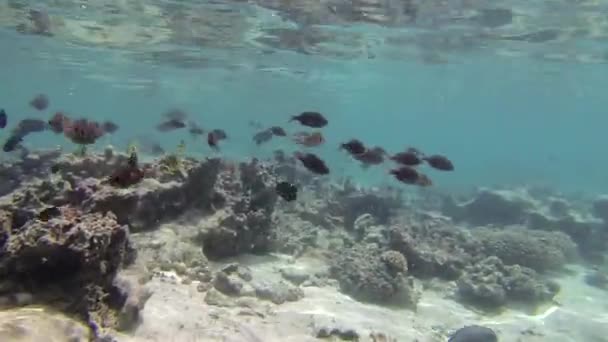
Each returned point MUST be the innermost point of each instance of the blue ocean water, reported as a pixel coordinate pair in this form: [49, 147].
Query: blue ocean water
[503, 121]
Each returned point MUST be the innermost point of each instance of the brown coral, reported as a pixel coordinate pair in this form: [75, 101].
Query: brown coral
[395, 261]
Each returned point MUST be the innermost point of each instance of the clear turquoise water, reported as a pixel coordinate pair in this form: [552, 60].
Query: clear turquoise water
[503, 120]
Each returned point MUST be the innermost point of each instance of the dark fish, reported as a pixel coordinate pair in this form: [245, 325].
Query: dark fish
[109, 127]
[214, 137]
[474, 333]
[287, 191]
[311, 119]
[170, 125]
[220, 134]
[353, 147]
[278, 131]
[40, 102]
[48, 213]
[439, 162]
[12, 143]
[423, 180]
[312, 163]
[263, 136]
[27, 126]
[255, 124]
[57, 122]
[309, 139]
[195, 129]
[3, 118]
[176, 114]
[409, 157]
[406, 174]
[373, 156]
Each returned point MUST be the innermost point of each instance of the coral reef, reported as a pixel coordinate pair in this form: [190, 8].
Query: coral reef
[490, 284]
[248, 199]
[33, 165]
[65, 237]
[368, 275]
[339, 207]
[434, 251]
[499, 207]
[72, 258]
[539, 250]
[538, 210]
[152, 202]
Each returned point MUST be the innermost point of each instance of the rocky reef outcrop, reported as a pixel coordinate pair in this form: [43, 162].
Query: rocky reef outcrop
[161, 197]
[434, 247]
[491, 285]
[538, 211]
[538, 250]
[369, 274]
[65, 228]
[71, 258]
[247, 198]
[338, 207]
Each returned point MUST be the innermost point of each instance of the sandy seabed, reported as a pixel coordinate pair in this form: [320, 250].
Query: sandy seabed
[178, 312]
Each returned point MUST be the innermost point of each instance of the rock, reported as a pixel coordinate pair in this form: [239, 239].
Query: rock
[597, 279]
[362, 224]
[490, 284]
[600, 208]
[418, 244]
[249, 203]
[132, 296]
[395, 261]
[242, 272]
[227, 284]
[74, 257]
[148, 204]
[278, 292]
[344, 335]
[295, 275]
[363, 274]
[474, 333]
[214, 297]
[499, 207]
[539, 250]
